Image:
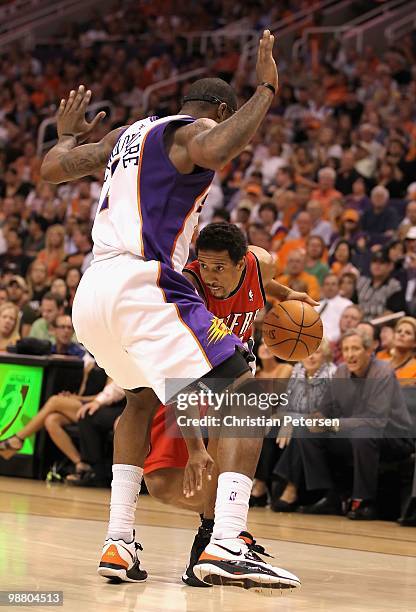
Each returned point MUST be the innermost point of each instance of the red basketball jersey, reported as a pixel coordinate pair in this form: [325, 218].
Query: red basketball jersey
[239, 309]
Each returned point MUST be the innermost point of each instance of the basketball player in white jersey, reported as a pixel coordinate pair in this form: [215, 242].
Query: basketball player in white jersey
[142, 320]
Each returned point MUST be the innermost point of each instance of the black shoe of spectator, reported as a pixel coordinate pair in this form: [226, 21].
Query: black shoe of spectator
[330, 504]
[86, 478]
[362, 510]
[409, 517]
[258, 501]
[279, 505]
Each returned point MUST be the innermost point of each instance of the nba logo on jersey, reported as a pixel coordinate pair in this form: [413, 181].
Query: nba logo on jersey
[251, 295]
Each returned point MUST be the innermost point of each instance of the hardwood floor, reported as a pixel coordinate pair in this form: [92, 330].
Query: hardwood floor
[51, 537]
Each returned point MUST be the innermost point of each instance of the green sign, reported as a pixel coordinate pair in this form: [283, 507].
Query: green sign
[20, 389]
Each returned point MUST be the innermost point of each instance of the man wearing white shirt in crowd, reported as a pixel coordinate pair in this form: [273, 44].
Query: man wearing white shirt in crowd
[409, 222]
[331, 307]
[320, 227]
[271, 164]
[214, 200]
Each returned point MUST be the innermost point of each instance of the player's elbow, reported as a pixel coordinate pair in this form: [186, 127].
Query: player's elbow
[49, 174]
[208, 156]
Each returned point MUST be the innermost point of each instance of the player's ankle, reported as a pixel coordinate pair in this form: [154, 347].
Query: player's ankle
[207, 524]
[127, 536]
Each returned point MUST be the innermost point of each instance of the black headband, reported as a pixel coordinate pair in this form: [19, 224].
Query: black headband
[207, 98]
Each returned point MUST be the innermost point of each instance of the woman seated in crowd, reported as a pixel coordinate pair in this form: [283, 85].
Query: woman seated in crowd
[348, 286]
[402, 354]
[341, 261]
[54, 252]
[59, 410]
[306, 388]
[270, 367]
[72, 279]
[9, 325]
[386, 342]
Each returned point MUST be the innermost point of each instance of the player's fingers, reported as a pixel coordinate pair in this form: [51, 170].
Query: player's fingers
[269, 44]
[192, 481]
[210, 469]
[71, 98]
[61, 107]
[97, 119]
[198, 477]
[266, 39]
[85, 100]
[186, 482]
[79, 97]
[189, 485]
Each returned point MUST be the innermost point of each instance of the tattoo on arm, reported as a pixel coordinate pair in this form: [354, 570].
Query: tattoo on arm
[84, 160]
[66, 162]
[229, 138]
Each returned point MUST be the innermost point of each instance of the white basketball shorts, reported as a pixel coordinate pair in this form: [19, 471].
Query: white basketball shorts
[145, 324]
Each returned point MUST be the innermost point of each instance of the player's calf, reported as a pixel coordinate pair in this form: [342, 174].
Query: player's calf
[166, 485]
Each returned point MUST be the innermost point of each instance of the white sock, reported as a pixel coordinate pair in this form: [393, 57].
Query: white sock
[231, 506]
[125, 489]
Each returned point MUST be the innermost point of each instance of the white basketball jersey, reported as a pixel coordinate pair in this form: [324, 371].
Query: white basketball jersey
[146, 206]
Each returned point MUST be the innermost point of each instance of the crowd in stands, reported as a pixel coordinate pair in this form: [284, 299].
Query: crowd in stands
[328, 184]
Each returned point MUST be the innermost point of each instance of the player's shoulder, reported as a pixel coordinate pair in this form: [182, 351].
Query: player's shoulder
[265, 262]
[262, 256]
[192, 266]
[189, 130]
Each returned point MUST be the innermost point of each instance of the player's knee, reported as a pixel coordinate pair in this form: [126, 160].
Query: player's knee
[143, 401]
[159, 486]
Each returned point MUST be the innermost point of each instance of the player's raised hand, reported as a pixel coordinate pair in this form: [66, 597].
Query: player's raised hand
[266, 66]
[71, 115]
[199, 462]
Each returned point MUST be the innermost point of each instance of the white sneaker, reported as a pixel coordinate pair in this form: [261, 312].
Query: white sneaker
[235, 562]
[119, 561]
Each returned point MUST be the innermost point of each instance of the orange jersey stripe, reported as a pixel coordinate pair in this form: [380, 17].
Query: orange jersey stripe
[180, 318]
[178, 235]
[139, 168]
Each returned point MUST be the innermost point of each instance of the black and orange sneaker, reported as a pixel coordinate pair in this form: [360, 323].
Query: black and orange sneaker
[119, 561]
[201, 541]
[236, 562]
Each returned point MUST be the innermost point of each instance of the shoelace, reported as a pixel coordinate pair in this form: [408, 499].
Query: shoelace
[253, 546]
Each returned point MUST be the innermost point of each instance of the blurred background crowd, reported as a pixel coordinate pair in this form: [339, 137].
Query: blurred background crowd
[328, 184]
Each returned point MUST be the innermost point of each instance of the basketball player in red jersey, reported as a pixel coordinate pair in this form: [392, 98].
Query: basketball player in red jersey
[232, 279]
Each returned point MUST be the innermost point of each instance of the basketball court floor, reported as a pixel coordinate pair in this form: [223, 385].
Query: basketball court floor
[51, 538]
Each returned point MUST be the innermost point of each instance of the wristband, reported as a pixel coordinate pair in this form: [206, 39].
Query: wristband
[269, 86]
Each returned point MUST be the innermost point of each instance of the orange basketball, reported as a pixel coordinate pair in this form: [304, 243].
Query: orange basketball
[292, 330]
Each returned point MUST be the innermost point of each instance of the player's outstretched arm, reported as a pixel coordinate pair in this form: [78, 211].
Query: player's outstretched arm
[212, 145]
[272, 287]
[66, 161]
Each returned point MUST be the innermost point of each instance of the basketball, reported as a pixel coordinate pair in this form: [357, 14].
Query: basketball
[292, 330]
